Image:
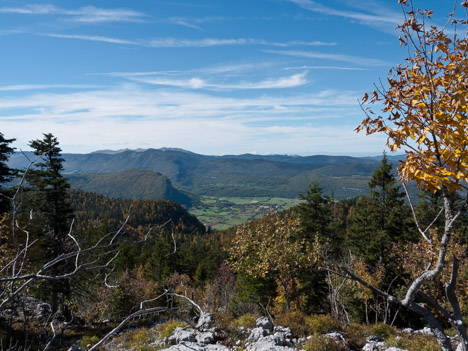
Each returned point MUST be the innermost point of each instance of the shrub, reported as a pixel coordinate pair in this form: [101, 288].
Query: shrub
[223, 320]
[137, 340]
[321, 343]
[323, 323]
[247, 320]
[166, 329]
[228, 332]
[355, 335]
[414, 342]
[88, 340]
[383, 330]
[303, 325]
[297, 321]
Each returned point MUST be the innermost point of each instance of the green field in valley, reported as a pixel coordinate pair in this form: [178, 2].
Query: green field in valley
[225, 212]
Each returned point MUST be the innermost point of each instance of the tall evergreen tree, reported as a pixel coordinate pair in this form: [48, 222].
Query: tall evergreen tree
[379, 219]
[6, 173]
[50, 201]
[316, 223]
[316, 217]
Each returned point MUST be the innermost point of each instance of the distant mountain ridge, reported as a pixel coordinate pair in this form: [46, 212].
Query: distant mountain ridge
[228, 175]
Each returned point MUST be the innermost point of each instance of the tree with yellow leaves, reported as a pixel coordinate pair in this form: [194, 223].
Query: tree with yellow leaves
[273, 247]
[425, 113]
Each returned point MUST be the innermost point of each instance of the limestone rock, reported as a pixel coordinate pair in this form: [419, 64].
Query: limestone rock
[335, 336]
[205, 321]
[182, 334]
[256, 334]
[425, 331]
[191, 346]
[374, 346]
[205, 338]
[265, 323]
[286, 331]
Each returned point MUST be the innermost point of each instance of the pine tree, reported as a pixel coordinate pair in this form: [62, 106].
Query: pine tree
[316, 218]
[50, 201]
[316, 224]
[379, 219]
[6, 173]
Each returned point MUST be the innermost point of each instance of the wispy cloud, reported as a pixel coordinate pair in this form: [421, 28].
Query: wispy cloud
[327, 68]
[24, 87]
[179, 42]
[90, 38]
[209, 70]
[185, 23]
[380, 17]
[364, 17]
[363, 61]
[196, 22]
[200, 122]
[304, 43]
[206, 42]
[292, 81]
[87, 14]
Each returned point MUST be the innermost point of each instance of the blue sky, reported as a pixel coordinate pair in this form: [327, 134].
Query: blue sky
[209, 76]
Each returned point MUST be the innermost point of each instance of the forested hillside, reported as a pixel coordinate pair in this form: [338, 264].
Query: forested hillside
[232, 175]
[94, 209]
[134, 184]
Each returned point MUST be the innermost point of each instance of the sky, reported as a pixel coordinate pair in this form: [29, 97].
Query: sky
[210, 76]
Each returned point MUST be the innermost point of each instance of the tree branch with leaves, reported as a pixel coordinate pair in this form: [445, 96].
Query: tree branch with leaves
[425, 114]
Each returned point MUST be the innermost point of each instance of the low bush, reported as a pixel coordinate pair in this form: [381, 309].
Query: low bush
[223, 320]
[323, 323]
[303, 325]
[414, 342]
[166, 329]
[383, 330]
[355, 334]
[88, 341]
[138, 339]
[297, 321]
[248, 320]
[321, 343]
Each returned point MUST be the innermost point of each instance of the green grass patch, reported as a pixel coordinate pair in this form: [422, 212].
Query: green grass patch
[225, 212]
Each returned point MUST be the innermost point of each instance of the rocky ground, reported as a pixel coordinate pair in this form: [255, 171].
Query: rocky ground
[204, 337]
[264, 337]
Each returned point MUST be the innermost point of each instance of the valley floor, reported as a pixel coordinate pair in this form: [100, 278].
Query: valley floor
[225, 212]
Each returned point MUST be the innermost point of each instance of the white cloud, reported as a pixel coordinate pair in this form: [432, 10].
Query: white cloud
[326, 68]
[381, 17]
[22, 87]
[100, 118]
[363, 61]
[175, 42]
[195, 22]
[304, 43]
[87, 14]
[294, 80]
[90, 38]
[206, 42]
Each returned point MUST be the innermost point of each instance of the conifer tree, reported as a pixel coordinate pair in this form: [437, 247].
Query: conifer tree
[379, 219]
[6, 173]
[50, 201]
[316, 224]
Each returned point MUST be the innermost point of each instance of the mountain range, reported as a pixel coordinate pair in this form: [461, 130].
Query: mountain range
[182, 176]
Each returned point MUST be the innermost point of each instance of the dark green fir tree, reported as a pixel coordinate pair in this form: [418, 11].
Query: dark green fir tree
[6, 173]
[50, 203]
[379, 219]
